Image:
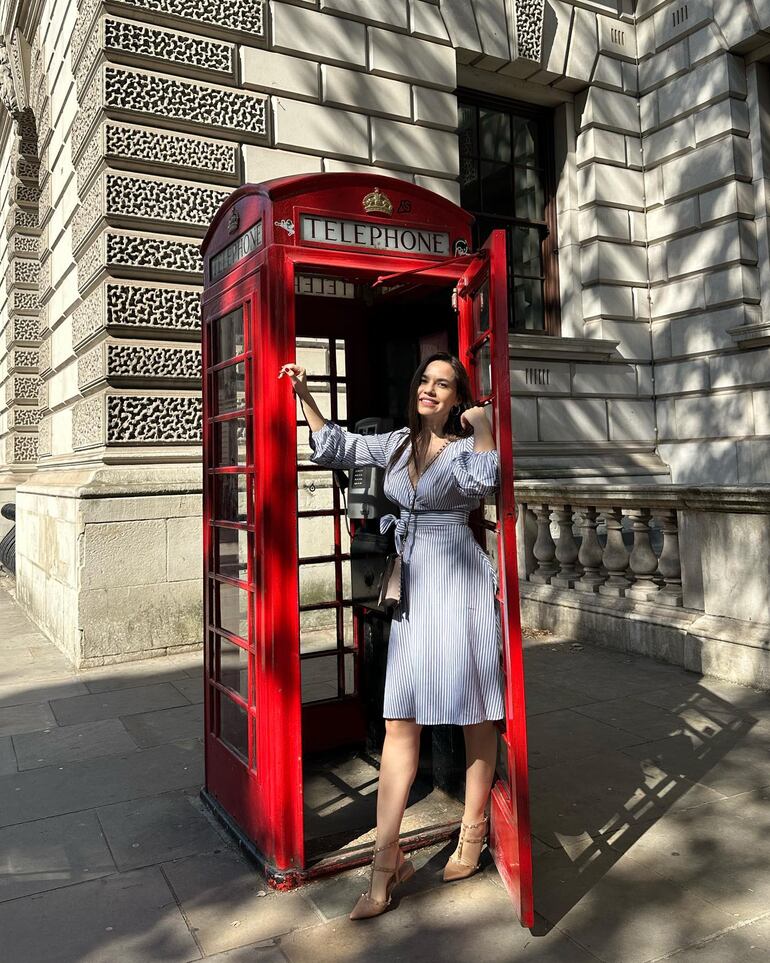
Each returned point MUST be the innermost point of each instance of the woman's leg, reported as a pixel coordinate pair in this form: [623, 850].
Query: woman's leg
[398, 767]
[480, 759]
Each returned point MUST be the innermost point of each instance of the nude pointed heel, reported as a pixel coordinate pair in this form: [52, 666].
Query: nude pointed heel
[367, 907]
[457, 867]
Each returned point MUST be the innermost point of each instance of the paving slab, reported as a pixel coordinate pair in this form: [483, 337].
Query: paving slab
[66, 744]
[7, 756]
[266, 951]
[131, 918]
[54, 790]
[726, 761]
[25, 692]
[49, 853]
[470, 920]
[713, 854]
[219, 895]
[625, 913]
[111, 705]
[565, 734]
[545, 697]
[166, 725]
[132, 676]
[748, 943]
[25, 718]
[635, 716]
[191, 688]
[158, 829]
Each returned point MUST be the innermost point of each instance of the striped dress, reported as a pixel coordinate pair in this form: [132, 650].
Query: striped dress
[444, 662]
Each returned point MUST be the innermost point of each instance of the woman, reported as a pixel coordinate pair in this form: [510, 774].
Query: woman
[443, 654]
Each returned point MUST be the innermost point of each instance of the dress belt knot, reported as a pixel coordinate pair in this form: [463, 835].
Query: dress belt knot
[415, 520]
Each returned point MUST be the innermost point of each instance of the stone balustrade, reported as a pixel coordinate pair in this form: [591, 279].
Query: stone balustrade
[624, 541]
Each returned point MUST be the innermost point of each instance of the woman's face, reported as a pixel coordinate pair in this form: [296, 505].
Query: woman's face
[436, 392]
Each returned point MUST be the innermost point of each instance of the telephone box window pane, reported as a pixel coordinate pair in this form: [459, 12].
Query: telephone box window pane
[230, 442]
[314, 491]
[231, 609]
[316, 536]
[227, 336]
[231, 549]
[527, 303]
[234, 668]
[233, 726]
[481, 309]
[319, 678]
[484, 364]
[231, 498]
[230, 388]
[503, 763]
[317, 583]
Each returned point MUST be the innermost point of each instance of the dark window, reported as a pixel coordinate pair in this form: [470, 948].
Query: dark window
[507, 181]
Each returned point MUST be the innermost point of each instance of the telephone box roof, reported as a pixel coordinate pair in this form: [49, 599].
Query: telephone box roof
[281, 188]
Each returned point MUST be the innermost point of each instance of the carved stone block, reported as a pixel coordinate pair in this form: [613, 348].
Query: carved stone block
[23, 359]
[113, 306]
[108, 418]
[528, 16]
[24, 271]
[25, 244]
[44, 446]
[242, 16]
[136, 254]
[26, 195]
[167, 99]
[21, 449]
[22, 388]
[173, 150]
[21, 330]
[24, 302]
[24, 417]
[143, 41]
[44, 357]
[118, 361]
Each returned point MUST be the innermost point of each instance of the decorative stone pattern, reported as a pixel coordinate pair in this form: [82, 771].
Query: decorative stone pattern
[162, 200]
[88, 317]
[246, 16]
[24, 358]
[88, 423]
[91, 52]
[21, 448]
[91, 366]
[154, 252]
[153, 307]
[44, 356]
[26, 194]
[89, 105]
[159, 420]
[25, 302]
[26, 244]
[174, 150]
[89, 160]
[171, 99]
[90, 211]
[22, 388]
[23, 331]
[87, 11]
[151, 42]
[25, 417]
[24, 271]
[131, 361]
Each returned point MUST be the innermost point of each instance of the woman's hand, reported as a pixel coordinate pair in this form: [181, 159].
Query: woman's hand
[473, 417]
[298, 376]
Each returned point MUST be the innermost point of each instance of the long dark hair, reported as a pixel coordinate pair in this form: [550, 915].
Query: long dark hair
[452, 424]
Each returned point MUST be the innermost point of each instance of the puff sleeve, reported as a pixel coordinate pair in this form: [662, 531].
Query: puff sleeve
[476, 473]
[334, 448]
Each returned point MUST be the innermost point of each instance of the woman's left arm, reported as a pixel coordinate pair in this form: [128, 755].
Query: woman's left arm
[475, 418]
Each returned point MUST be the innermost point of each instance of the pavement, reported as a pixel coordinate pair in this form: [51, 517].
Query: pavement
[649, 794]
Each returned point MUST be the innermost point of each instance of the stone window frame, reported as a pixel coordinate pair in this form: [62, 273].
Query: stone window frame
[544, 117]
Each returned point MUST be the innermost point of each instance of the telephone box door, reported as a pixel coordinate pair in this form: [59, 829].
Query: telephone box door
[483, 320]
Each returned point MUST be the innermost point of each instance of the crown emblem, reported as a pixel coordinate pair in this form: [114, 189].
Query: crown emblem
[377, 203]
[233, 221]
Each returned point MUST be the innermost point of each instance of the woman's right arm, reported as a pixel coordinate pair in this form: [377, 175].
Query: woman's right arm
[298, 376]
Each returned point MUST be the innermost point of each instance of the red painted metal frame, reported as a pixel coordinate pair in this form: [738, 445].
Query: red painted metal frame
[263, 802]
[510, 839]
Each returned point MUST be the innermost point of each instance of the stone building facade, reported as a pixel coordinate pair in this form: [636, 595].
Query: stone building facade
[126, 124]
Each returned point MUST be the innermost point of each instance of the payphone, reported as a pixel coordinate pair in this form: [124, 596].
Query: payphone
[291, 270]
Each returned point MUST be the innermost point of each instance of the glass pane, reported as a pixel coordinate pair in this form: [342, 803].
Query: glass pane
[231, 548]
[230, 442]
[484, 365]
[314, 491]
[503, 766]
[495, 135]
[323, 396]
[497, 188]
[318, 629]
[316, 536]
[230, 497]
[233, 726]
[466, 123]
[227, 336]
[234, 667]
[230, 388]
[530, 200]
[525, 141]
[319, 678]
[481, 308]
[317, 583]
[230, 609]
[526, 251]
[528, 304]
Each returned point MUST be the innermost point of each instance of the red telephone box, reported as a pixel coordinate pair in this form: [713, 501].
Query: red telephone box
[357, 276]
